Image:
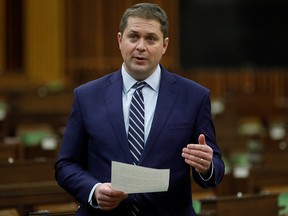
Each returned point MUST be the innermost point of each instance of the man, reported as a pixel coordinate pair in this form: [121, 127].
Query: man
[178, 129]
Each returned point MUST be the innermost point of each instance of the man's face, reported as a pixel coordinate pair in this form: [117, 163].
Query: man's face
[142, 46]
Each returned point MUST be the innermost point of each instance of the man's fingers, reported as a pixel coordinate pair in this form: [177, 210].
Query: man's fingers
[201, 139]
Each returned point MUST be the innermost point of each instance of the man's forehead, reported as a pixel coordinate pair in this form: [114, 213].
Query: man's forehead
[142, 21]
[139, 24]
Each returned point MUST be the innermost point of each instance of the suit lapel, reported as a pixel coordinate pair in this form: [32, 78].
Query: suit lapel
[165, 102]
[113, 99]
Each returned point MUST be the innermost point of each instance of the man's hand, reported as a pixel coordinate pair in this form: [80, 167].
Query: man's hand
[108, 198]
[198, 155]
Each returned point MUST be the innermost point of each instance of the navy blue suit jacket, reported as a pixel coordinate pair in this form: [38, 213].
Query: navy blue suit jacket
[95, 135]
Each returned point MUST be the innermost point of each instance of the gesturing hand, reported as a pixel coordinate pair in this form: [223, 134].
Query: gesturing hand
[198, 155]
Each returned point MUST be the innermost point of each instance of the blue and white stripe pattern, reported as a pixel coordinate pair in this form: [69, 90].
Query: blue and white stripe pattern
[136, 123]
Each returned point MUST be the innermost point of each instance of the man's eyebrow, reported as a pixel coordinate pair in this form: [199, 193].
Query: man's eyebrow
[152, 34]
[133, 31]
[149, 34]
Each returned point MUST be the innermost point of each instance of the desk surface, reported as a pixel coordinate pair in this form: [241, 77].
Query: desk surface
[264, 204]
[25, 196]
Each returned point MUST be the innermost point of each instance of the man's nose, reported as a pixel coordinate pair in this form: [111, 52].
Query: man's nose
[141, 46]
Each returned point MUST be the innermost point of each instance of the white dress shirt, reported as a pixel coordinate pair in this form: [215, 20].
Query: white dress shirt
[150, 95]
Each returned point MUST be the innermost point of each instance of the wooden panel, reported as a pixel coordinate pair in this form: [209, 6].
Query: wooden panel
[30, 183]
[56, 207]
[30, 194]
[9, 212]
[2, 36]
[27, 172]
[11, 152]
[84, 20]
[248, 205]
[14, 35]
[272, 82]
[31, 109]
[271, 173]
[51, 214]
[44, 42]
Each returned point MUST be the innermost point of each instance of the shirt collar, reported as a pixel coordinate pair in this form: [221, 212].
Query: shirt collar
[153, 80]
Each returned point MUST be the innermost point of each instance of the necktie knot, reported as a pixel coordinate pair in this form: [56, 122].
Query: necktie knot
[140, 85]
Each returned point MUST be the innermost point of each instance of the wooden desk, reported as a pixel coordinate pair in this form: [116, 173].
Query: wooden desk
[52, 214]
[28, 183]
[261, 179]
[11, 152]
[21, 172]
[29, 194]
[248, 205]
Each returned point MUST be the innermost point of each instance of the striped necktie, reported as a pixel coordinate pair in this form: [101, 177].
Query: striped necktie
[136, 123]
[136, 130]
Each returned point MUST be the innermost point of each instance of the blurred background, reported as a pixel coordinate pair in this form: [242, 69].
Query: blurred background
[237, 48]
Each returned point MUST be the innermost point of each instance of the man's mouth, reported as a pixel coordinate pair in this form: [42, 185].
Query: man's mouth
[140, 58]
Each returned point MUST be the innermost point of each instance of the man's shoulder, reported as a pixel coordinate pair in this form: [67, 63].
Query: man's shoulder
[182, 81]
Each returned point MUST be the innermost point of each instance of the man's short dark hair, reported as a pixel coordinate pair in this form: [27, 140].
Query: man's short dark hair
[146, 11]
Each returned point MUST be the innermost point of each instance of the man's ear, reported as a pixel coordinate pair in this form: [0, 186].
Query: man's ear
[119, 38]
[165, 45]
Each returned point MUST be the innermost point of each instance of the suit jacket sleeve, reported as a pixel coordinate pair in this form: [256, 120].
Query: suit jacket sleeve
[71, 168]
[205, 125]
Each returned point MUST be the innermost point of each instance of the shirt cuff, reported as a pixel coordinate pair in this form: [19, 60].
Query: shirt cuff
[204, 178]
[92, 201]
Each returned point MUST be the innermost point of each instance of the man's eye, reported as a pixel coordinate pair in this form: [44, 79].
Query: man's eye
[133, 37]
[151, 39]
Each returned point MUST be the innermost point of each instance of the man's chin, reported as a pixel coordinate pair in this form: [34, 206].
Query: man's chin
[139, 68]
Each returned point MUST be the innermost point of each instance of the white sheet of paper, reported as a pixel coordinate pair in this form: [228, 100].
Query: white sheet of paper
[136, 179]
